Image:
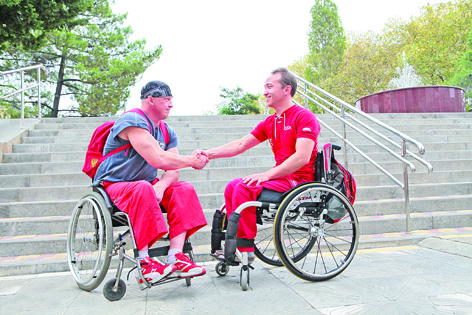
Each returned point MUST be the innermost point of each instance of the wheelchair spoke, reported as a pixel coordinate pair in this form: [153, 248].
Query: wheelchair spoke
[314, 241]
[89, 242]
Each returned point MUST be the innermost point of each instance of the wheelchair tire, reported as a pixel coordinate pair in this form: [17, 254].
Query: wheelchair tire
[309, 243]
[244, 278]
[221, 269]
[112, 295]
[90, 241]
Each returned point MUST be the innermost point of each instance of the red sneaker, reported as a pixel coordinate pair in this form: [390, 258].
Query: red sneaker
[154, 271]
[186, 268]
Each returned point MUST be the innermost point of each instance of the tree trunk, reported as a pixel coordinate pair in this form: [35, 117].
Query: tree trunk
[59, 84]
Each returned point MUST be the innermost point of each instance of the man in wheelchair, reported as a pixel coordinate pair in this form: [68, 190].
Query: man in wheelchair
[293, 135]
[130, 179]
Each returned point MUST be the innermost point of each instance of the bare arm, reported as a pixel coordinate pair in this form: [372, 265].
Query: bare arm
[233, 148]
[148, 147]
[168, 178]
[303, 151]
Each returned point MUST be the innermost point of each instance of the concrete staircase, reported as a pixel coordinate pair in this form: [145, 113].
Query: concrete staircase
[41, 181]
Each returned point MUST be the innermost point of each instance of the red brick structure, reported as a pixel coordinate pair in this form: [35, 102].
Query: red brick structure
[422, 99]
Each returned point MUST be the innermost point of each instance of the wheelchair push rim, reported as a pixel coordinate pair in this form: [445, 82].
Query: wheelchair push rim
[90, 241]
[312, 245]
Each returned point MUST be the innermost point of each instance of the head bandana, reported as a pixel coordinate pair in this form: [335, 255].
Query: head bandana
[155, 89]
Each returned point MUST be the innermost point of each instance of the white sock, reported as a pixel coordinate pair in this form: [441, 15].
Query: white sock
[143, 253]
[171, 254]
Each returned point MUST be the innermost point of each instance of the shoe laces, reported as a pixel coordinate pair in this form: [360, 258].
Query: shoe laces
[182, 257]
[150, 263]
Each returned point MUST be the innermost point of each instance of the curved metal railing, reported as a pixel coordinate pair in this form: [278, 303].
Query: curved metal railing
[22, 89]
[320, 97]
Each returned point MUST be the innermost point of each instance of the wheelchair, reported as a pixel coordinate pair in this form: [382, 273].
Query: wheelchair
[311, 229]
[91, 244]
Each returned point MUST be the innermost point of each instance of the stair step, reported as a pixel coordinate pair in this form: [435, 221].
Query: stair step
[41, 181]
[53, 240]
[57, 262]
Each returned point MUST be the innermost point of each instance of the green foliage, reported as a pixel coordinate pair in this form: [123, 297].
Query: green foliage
[434, 43]
[238, 102]
[91, 65]
[369, 65]
[326, 43]
[25, 24]
[463, 78]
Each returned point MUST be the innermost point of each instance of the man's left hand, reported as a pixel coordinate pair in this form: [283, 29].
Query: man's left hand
[255, 179]
[159, 189]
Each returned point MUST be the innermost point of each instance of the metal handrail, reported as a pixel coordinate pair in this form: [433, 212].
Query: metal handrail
[343, 115]
[22, 89]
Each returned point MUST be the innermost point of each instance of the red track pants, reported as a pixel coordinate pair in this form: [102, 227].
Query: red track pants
[138, 200]
[237, 193]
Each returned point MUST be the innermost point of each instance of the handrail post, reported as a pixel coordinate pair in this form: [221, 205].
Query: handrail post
[22, 101]
[344, 137]
[39, 92]
[406, 190]
[306, 98]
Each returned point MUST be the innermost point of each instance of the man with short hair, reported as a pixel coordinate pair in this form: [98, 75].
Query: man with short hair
[293, 135]
[130, 179]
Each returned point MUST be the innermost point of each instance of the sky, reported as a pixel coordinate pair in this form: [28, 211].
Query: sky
[211, 44]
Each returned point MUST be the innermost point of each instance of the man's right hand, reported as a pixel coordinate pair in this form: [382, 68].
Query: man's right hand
[200, 159]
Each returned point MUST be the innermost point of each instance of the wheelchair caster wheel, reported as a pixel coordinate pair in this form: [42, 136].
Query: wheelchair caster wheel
[222, 269]
[188, 281]
[112, 295]
[244, 278]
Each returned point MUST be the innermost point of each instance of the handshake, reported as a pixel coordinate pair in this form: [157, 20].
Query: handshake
[200, 159]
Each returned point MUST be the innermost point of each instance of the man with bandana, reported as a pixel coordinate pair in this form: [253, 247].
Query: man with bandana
[293, 136]
[130, 179]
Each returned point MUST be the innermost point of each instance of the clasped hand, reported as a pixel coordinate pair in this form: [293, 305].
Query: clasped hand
[201, 159]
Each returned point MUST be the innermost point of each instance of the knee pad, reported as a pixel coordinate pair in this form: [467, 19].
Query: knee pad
[230, 240]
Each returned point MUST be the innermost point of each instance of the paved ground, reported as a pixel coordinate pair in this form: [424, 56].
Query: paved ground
[433, 277]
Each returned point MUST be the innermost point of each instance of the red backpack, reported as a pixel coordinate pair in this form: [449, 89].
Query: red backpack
[349, 184]
[94, 156]
[344, 181]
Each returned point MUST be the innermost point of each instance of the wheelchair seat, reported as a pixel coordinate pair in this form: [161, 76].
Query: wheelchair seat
[270, 196]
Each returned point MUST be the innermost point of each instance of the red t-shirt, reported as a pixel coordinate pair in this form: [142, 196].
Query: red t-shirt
[283, 132]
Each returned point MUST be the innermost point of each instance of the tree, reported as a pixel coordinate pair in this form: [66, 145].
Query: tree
[463, 78]
[238, 102]
[93, 62]
[435, 41]
[326, 42]
[26, 23]
[369, 65]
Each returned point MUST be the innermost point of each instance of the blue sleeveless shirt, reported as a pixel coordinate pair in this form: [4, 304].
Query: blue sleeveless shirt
[127, 165]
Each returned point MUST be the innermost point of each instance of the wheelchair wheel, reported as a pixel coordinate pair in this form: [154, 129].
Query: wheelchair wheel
[221, 269]
[244, 278]
[264, 247]
[112, 295]
[316, 232]
[90, 241]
